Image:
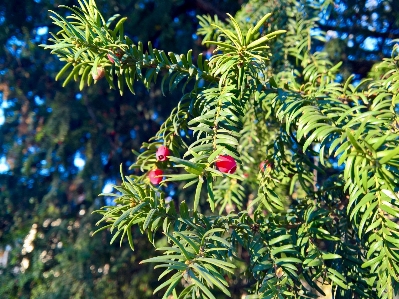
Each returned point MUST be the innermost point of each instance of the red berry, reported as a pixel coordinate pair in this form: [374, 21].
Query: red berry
[99, 74]
[162, 153]
[226, 164]
[155, 176]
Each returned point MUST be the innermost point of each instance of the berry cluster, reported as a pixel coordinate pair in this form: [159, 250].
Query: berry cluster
[155, 175]
[224, 163]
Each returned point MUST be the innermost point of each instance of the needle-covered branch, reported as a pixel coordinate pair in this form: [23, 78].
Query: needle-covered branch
[314, 161]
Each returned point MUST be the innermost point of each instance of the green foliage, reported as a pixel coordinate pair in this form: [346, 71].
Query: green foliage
[324, 212]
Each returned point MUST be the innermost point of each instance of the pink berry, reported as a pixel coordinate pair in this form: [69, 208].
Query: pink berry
[162, 153]
[155, 176]
[226, 164]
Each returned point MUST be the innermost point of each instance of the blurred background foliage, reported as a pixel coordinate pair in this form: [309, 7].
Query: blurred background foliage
[60, 147]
